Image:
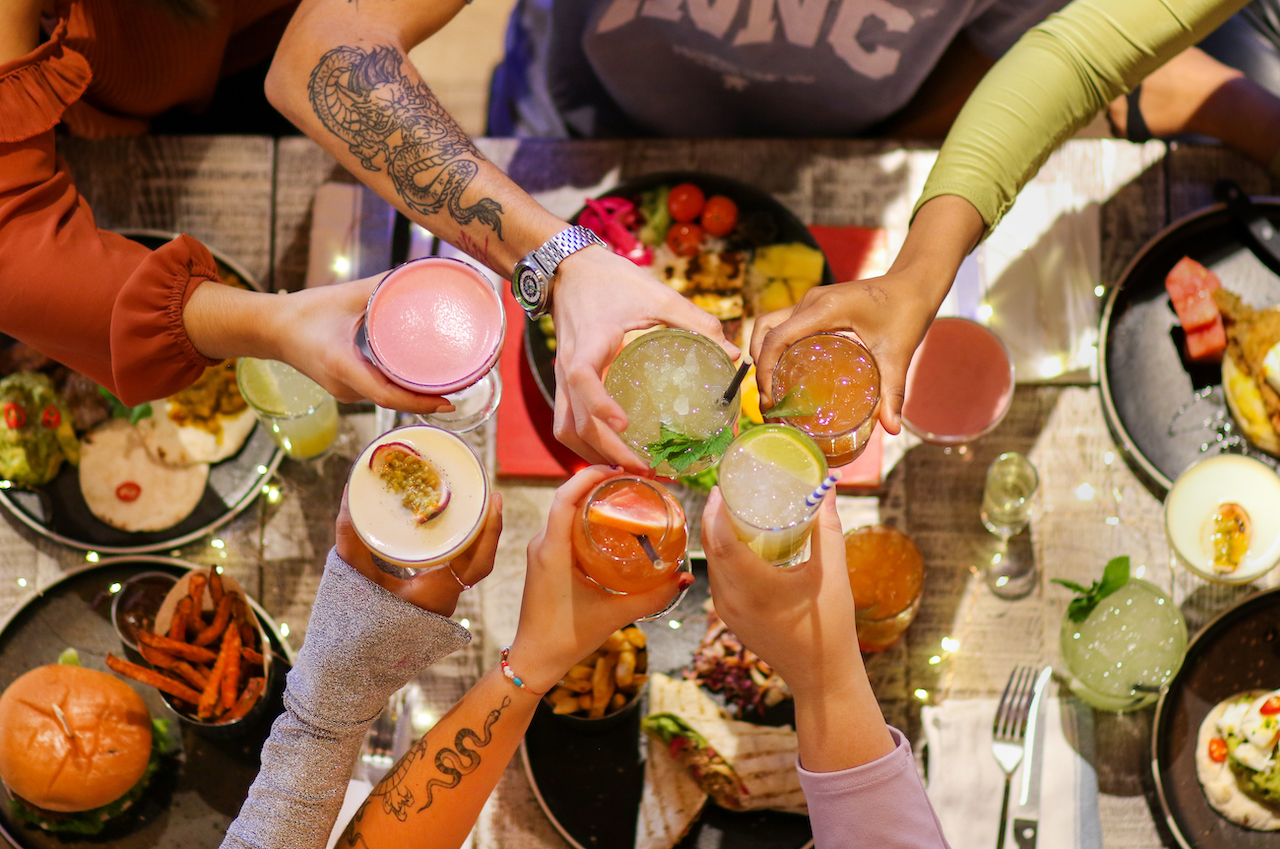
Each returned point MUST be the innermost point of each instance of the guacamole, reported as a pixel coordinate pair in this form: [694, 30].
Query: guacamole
[1263, 786]
[36, 433]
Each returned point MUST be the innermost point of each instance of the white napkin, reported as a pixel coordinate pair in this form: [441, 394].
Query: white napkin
[357, 791]
[966, 784]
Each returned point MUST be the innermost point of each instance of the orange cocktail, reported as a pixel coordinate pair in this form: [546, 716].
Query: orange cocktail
[629, 535]
[886, 573]
[829, 387]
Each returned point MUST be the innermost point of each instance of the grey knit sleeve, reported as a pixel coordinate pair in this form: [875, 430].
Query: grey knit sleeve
[362, 644]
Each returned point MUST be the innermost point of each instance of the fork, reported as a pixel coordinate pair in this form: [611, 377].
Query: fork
[1009, 732]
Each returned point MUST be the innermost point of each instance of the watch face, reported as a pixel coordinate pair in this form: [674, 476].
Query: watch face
[529, 289]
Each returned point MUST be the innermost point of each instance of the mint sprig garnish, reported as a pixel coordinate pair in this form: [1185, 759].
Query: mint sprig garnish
[120, 411]
[681, 451]
[1114, 576]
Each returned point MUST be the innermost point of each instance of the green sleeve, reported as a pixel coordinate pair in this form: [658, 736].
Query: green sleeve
[1051, 83]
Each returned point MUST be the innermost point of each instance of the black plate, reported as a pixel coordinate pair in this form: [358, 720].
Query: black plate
[198, 795]
[589, 784]
[1164, 411]
[58, 511]
[1240, 650]
[750, 201]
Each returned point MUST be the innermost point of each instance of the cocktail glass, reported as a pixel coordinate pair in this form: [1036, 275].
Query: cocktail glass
[1006, 499]
[389, 526]
[1127, 650]
[435, 325]
[831, 383]
[630, 536]
[766, 478]
[959, 384]
[299, 414]
[886, 573]
[1203, 508]
[671, 385]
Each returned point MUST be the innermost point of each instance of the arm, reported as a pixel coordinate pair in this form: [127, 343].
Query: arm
[368, 634]
[342, 75]
[853, 767]
[434, 794]
[1054, 80]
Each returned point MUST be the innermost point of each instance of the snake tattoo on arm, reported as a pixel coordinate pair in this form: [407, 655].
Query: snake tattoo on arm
[393, 792]
[391, 121]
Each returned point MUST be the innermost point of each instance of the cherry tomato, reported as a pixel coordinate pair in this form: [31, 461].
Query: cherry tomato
[1217, 750]
[685, 202]
[684, 239]
[719, 216]
[1270, 706]
[14, 416]
[128, 491]
[51, 418]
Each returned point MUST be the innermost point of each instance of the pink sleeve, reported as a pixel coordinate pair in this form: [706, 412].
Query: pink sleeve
[878, 804]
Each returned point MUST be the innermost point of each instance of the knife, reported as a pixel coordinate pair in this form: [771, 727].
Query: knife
[1026, 816]
[1264, 238]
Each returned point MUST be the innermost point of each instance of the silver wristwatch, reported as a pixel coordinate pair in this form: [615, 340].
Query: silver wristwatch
[531, 281]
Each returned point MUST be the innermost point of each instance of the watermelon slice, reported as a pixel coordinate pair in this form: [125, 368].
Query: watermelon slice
[1190, 285]
[1206, 344]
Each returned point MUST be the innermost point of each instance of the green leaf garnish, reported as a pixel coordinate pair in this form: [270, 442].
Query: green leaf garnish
[1114, 576]
[794, 404]
[681, 451]
[120, 411]
[69, 656]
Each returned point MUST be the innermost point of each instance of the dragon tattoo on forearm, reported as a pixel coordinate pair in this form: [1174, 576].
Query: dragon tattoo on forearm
[391, 121]
[393, 792]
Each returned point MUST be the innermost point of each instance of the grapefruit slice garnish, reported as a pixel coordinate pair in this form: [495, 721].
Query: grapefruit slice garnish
[632, 511]
[403, 470]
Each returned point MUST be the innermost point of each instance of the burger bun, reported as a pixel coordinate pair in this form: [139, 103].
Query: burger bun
[105, 755]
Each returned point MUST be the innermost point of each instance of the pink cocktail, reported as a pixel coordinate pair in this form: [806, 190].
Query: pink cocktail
[435, 325]
[960, 383]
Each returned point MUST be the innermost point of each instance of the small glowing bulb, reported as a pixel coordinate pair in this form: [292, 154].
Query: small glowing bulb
[262, 470]
[1051, 367]
[935, 660]
[218, 569]
[423, 720]
[341, 265]
[265, 489]
[92, 557]
[1002, 580]
[465, 623]
[1099, 290]
[217, 543]
[22, 582]
[950, 644]
[115, 588]
[1139, 572]
[985, 311]
[674, 624]
[922, 694]
[1084, 492]
[5, 484]
[273, 495]
[284, 629]
[1108, 458]
[995, 560]
[1113, 520]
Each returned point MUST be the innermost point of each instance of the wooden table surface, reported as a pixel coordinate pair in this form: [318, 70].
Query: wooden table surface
[251, 198]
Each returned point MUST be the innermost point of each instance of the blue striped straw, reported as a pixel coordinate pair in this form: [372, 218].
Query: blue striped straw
[814, 498]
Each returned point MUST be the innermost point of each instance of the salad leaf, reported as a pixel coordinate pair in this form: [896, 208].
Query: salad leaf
[668, 726]
[70, 656]
[657, 218]
[794, 404]
[682, 451]
[120, 411]
[1114, 576]
[703, 480]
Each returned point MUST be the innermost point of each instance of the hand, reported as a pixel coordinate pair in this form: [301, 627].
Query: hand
[563, 616]
[599, 296]
[800, 620]
[316, 332]
[435, 590]
[886, 313]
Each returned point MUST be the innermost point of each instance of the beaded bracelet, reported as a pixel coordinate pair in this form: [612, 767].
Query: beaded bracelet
[511, 673]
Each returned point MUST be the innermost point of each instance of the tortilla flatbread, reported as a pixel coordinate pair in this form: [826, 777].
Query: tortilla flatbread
[1219, 782]
[177, 445]
[671, 802]
[113, 457]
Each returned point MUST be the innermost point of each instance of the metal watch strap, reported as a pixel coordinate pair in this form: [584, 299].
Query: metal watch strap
[548, 257]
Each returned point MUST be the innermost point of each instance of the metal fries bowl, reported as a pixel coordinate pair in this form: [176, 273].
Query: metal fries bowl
[128, 613]
[607, 657]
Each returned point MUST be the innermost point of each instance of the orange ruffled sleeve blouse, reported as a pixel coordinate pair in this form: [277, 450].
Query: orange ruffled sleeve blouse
[90, 299]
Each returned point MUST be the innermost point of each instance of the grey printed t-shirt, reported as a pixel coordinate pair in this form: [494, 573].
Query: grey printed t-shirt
[734, 68]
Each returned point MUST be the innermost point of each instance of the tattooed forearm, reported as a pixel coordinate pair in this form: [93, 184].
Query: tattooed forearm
[393, 792]
[391, 122]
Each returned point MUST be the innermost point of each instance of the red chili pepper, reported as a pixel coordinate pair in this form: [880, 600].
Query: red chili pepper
[51, 417]
[14, 416]
[1270, 706]
[128, 491]
[1217, 750]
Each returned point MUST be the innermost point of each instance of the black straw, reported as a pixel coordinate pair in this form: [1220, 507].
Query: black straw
[649, 551]
[735, 383]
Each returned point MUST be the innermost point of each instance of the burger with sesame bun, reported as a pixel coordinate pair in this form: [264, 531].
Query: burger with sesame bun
[77, 748]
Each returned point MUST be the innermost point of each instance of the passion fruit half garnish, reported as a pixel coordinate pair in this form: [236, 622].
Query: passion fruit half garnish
[1231, 532]
[404, 471]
